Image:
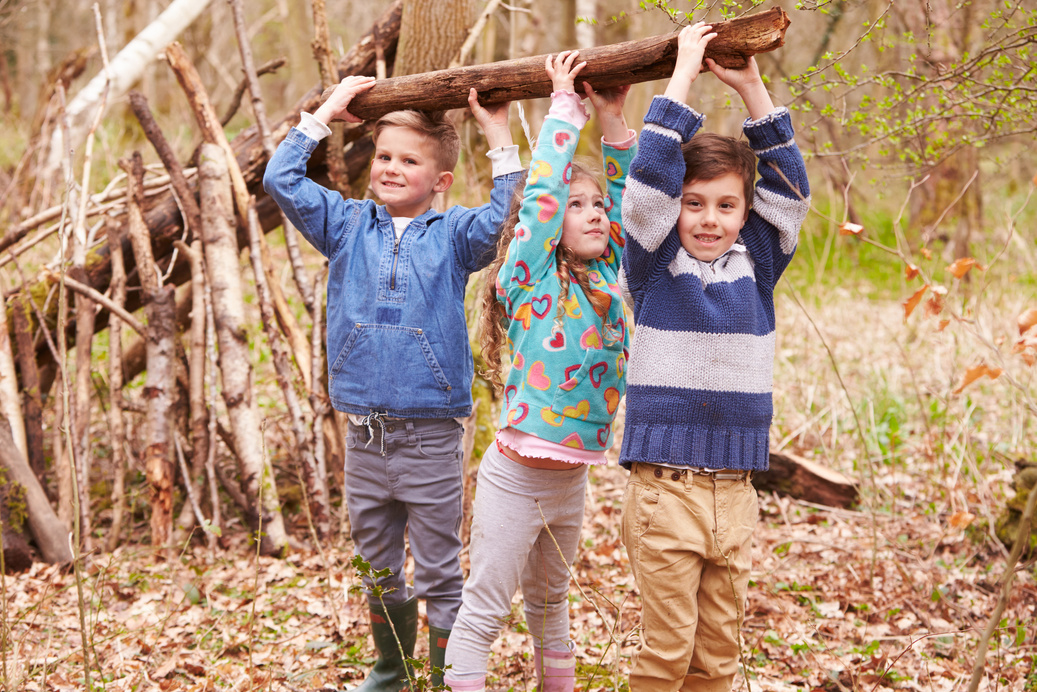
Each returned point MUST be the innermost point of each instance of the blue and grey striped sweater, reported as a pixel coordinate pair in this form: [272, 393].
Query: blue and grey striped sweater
[701, 369]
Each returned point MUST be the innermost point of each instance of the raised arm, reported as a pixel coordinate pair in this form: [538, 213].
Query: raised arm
[652, 202]
[531, 255]
[476, 232]
[618, 146]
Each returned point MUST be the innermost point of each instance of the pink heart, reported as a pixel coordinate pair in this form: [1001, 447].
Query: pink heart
[603, 435]
[521, 275]
[567, 174]
[536, 377]
[548, 206]
[611, 168]
[598, 371]
[591, 338]
[562, 139]
[509, 392]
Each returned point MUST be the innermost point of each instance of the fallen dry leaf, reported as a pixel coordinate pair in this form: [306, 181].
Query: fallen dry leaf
[934, 306]
[910, 271]
[1027, 321]
[976, 372]
[961, 267]
[847, 228]
[911, 303]
[960, 520]
[943, 325]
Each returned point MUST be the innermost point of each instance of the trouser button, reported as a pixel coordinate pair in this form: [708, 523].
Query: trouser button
[658, 472]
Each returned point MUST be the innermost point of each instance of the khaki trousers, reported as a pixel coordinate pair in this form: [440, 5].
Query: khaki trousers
[689, 538]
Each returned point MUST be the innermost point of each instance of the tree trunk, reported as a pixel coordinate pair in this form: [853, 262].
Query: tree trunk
[159, 388]
[31, 397]
[9, 399]
[431, 33]
[221, 259]
[199, 413]
[48, 531]
[607, 66]
[116, 424]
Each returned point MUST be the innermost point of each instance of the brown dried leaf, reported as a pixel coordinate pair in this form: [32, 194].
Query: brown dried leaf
[910, 271]
[961, 267]
[911, 303]
[1029, 358]
[1027, 320]
[926, 253]
[934, 306]
[943, 325]
[974, 373]
[848, 228]
[959, 520]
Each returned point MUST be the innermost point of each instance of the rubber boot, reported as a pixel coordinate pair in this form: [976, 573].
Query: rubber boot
[390, 671]
[556, 670]
[437, 639]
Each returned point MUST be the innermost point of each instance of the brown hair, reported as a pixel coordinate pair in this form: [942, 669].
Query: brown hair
[708, 155]
[493, 321]
[433, 125]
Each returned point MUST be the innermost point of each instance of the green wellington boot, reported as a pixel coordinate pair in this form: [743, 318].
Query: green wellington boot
[437, 639]
[390, 671]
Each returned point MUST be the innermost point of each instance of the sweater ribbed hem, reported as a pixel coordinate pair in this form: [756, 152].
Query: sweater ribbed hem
[682, 445]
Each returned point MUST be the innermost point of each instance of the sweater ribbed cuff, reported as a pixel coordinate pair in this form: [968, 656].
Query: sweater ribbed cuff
[674, 115]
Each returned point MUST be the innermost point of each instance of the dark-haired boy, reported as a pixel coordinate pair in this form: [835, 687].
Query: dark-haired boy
[704, 252]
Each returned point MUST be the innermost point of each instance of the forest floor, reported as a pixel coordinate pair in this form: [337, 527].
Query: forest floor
[892, 595]
[840, 600]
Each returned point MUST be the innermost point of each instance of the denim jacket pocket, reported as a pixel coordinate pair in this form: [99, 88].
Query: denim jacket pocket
[399, 359]
[592, 391]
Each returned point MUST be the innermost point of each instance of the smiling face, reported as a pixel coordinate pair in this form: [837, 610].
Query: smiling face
[405, 172]
[585, 227]
[712, 214]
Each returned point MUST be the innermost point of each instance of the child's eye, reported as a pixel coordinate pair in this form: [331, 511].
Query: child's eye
[599, 204]
[410, 161]
[574, 204]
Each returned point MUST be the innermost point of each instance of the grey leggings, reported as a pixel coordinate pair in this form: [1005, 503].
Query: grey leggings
[511, 547]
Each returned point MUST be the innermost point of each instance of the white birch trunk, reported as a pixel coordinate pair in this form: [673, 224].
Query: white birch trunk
[224, 275]
[126, 69]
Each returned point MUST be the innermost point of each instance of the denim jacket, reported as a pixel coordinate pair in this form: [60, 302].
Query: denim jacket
[397, 337]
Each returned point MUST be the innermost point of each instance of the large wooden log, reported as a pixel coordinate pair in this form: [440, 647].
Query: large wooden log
[804, 480]
[607, 66]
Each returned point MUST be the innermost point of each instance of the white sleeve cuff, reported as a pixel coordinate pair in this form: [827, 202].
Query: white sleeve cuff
[313, 128]
[504, 160]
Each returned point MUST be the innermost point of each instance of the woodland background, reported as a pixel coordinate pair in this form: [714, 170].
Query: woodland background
[906, 345]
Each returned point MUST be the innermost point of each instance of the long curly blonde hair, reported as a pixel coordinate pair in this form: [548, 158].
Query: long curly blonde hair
[494, 321]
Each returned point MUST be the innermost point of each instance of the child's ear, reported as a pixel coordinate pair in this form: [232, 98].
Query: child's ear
[446, 179]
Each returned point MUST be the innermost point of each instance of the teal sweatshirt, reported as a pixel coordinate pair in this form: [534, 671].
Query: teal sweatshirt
[565, 383]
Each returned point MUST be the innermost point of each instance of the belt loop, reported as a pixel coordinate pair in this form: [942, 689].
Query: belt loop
[412, 437]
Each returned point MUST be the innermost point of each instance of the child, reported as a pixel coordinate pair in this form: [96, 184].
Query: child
[701, 268]
[557, 304]
[399, 362]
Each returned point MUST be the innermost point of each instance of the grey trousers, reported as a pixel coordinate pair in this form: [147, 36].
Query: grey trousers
[510, 547]
[414, 487]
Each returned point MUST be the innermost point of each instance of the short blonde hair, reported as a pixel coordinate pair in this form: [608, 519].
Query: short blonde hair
[433, 125]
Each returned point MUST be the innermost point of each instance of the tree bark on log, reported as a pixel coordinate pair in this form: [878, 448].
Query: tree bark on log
[221, 263]
[10, 401]
[607, 66]
[31, 391]
[116, 423]
[160, 306]
[805, 480]
[48, 531]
